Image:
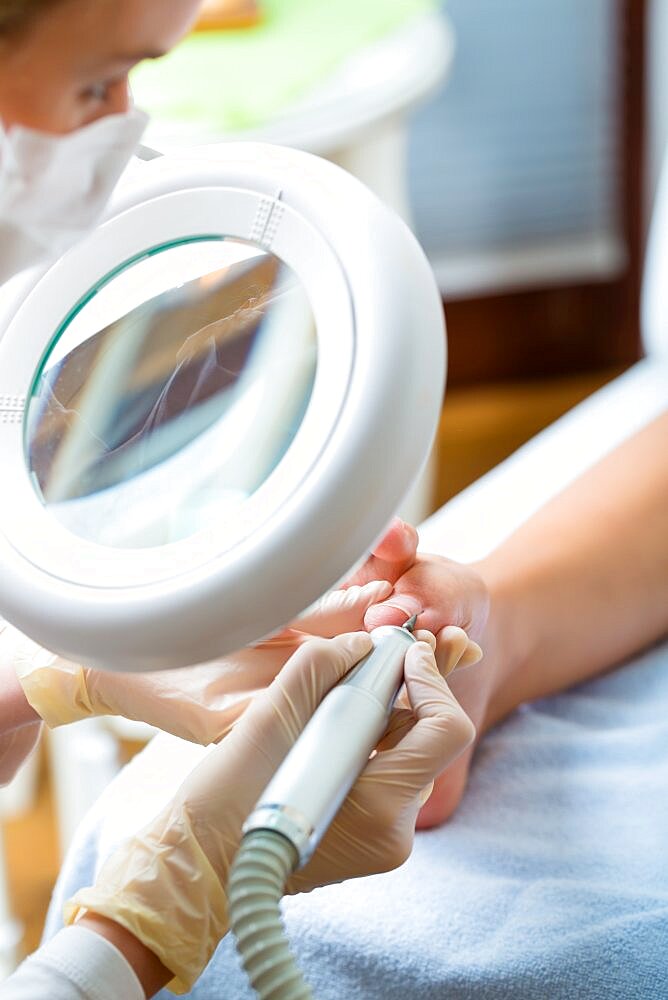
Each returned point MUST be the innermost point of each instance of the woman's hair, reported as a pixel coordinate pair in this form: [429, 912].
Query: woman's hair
[17, 14]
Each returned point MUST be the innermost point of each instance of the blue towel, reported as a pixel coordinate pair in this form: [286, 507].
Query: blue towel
[550, 883]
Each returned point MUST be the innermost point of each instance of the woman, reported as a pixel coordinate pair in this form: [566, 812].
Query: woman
[159, 908]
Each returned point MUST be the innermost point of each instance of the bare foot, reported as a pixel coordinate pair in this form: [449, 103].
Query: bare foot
[471, 687]
[447, 794]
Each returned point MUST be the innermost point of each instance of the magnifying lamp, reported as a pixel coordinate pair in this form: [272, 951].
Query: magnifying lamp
[211, 408]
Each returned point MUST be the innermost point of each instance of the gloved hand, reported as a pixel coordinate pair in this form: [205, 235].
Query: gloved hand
[197, 703]
[167, 884]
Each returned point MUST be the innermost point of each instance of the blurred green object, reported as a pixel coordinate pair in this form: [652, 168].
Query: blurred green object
[234, 80]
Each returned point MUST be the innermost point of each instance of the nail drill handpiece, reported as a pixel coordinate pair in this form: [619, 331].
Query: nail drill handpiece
[309, 787]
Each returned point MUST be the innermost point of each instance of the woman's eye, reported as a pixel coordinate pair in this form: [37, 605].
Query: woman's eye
[97, 92]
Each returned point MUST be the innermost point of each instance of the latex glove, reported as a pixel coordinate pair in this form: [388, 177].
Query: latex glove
[197, 703]
[167, 884]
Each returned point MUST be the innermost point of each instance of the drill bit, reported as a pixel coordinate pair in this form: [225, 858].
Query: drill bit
[410, 624]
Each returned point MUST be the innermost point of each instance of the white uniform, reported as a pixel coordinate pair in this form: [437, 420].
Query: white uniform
[76, 964]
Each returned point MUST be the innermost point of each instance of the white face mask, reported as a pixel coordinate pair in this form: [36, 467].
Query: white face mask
[54, 188]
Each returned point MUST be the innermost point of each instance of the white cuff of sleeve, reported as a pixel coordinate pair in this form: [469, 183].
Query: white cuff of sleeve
[91, 963]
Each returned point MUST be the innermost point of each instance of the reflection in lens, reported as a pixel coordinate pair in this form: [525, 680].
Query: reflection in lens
[147, 428]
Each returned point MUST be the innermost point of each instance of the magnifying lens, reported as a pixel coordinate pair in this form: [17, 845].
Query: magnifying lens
[211, 408]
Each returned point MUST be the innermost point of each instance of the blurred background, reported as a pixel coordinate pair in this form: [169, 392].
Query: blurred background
[522, 140]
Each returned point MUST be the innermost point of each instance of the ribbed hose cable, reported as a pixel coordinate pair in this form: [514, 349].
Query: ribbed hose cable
[256, 885]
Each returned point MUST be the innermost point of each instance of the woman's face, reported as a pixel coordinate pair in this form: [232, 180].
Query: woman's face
[70, 65]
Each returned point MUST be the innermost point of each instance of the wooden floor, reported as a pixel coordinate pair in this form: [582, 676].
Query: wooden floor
[31, 849]
[480, 427]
